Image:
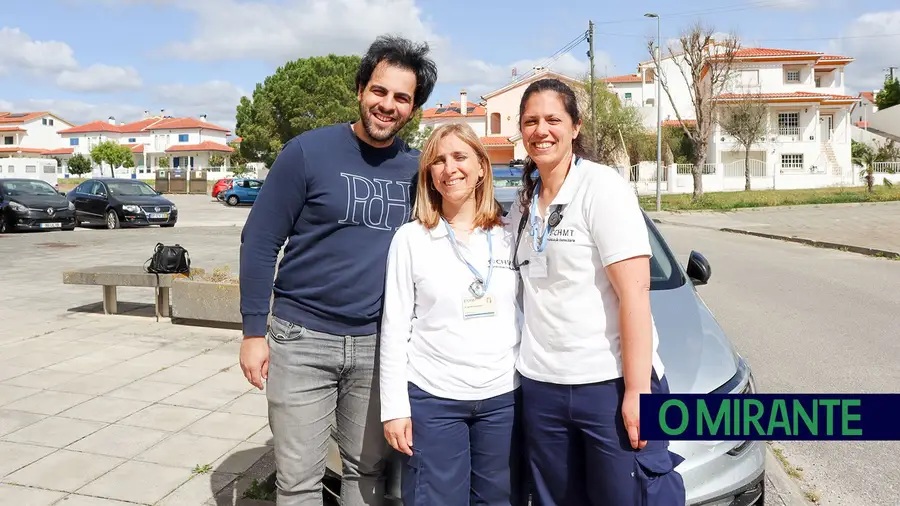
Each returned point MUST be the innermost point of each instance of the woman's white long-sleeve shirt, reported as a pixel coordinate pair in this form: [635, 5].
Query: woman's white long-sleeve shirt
[426, 338]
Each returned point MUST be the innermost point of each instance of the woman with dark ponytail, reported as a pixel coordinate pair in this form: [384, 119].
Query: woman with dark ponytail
[589, 343]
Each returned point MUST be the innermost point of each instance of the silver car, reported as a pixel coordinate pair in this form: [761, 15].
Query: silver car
[699, 358]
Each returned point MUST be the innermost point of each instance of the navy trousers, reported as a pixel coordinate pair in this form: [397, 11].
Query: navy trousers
[579, 453]
[464, 452]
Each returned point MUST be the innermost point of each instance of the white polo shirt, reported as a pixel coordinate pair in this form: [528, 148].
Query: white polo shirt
[571, 332]
[426, 337]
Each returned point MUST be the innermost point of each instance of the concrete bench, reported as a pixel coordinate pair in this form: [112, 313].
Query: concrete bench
[110, 277]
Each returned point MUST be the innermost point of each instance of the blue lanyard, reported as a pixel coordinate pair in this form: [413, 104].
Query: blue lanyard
[535, 223]
[480, 285]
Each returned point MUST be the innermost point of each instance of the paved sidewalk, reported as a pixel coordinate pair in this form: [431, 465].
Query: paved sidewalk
[856, 226]
[115, 410]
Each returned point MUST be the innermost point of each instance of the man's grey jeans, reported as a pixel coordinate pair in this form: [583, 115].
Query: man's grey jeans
[318, 381]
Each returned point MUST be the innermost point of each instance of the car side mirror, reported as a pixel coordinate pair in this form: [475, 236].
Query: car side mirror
[698, 269]
[62, 193]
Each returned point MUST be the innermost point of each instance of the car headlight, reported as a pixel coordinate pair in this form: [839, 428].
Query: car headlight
[174, 207]
[740, 383]
[17, 207]
[71, 206]
[131, 208]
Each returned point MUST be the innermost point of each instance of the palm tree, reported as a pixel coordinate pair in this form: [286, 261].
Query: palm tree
[867, 158]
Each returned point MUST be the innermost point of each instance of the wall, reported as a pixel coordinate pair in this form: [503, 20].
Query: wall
[886, 120]
[44, 136]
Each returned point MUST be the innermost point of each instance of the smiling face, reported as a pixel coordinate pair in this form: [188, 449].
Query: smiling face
[386, 103]
[547, 129]
[456, 170]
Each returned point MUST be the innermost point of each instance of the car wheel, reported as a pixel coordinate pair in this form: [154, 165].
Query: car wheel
[4, 225]
[112, 220]
[233, 200]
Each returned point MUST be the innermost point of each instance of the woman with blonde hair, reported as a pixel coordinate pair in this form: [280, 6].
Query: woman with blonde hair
[450, 334]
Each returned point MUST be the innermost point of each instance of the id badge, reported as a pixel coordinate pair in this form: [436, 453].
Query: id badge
[537, 266]
[478, 308]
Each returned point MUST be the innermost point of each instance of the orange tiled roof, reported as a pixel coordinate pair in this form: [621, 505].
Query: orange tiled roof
[797, 96]
[59, 151]
[453, 111]
[203, 146]
[495, 140]
[676, 123]
[628, 78]
[20, 117]
[868, 95]
[180, 123]
[143, 125]
[135, 148]
[19, 149]
[11, 129]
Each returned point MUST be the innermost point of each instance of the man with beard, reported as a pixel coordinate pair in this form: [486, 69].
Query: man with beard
[337, 194]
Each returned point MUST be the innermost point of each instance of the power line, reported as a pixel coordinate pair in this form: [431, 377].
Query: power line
[782, 39]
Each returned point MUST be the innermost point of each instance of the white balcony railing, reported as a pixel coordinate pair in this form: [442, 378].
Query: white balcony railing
[789, 131]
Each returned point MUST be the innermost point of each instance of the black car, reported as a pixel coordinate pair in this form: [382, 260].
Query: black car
[32, 204]
[116, 202]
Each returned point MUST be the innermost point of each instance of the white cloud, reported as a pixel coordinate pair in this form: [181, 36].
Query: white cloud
[20, 52]
[57, 59]
[229, 29]
[217, 99]
[872, 40]
[100, 78]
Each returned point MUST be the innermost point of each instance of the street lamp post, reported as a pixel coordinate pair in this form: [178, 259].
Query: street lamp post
[658, 115]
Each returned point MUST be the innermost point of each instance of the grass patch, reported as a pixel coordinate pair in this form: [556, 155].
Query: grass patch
[723, 201]
[204, 469]
[262, 491]
[792, 471]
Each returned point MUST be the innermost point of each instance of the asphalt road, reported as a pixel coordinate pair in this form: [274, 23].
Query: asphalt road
[811, 320]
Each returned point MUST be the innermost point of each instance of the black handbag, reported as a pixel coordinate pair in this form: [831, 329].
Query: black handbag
[169, 260]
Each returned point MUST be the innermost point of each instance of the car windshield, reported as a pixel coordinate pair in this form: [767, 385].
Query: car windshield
[22, 188]
[130, 189]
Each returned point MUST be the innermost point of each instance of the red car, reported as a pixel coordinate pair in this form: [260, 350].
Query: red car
[221, 185]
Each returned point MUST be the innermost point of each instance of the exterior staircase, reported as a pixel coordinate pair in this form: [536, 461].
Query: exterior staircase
[828, 151]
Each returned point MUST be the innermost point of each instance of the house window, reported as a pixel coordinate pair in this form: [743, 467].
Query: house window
[132, 140]
[789, 123]
[51, 121]
[73, 142]
[11, 169]
[182, 137]
[31, 169]
[495, 123]
[8, 140]
[818, 81]
[628, 96]
[793, 76]
[792, 161]
[44, 120]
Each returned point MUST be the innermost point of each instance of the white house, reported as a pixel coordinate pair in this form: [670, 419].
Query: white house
[29, 141]
[807, 138]
[187, 143]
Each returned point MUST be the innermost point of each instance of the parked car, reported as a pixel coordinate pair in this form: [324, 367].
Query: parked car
[220, 186]
[117, 203]
[33, 204]
[243, 191]
[699, 358]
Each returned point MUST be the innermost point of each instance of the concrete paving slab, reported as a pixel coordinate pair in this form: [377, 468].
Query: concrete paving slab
[139, 482]
[54, 431]
[63, 470]
[16, 495]
[14, 456]
[119, 441]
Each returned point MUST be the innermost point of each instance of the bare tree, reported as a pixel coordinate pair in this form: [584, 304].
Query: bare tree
[705, 64]
[746, 118]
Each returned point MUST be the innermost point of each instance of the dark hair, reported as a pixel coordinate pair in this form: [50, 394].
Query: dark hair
[402, 53]
[570, 102]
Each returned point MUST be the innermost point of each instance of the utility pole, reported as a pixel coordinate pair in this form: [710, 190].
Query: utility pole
[891, 70]
[658, 104]
[590, 54]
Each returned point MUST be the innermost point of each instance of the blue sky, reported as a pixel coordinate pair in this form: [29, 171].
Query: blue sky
[89, 59]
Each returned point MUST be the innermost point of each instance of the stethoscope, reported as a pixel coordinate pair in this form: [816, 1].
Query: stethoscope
[538, 243]
[479, 287]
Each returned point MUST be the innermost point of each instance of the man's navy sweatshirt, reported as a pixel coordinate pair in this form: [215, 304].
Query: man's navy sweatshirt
[338, 201]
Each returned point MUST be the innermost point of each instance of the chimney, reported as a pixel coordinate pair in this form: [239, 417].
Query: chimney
[162, 112]
[146, 115]
[203, 118]
[439, 105]
[112, 120]
[463, 102]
